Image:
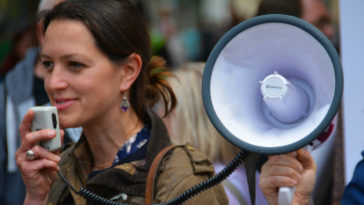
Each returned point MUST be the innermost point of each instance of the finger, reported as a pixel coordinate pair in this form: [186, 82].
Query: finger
[26, 124]
[285, 160]
[28, 165]
[292, 154]
[37, 165]
[42, 153]
[306, 159]
[283, 171]
[275, 182]
[32, 138]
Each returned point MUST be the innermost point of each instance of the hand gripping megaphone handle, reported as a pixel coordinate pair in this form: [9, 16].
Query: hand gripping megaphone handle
[285, 194]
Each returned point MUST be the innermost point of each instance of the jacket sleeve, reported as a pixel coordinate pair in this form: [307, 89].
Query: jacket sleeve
[183, 169]
[354, 191]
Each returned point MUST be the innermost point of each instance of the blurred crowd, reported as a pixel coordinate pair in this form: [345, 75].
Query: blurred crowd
[181, 30]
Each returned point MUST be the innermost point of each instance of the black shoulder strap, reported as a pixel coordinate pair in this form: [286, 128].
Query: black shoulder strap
[250, 168]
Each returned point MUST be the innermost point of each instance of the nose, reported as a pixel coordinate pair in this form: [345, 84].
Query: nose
[56, 79]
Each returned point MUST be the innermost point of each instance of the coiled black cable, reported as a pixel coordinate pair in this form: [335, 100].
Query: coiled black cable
[216, 179]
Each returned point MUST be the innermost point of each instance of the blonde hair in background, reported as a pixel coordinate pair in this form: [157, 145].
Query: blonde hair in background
[189, 122]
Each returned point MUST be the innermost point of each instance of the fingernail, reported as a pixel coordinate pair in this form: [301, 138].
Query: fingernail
[51, 133]
[295, 182]
[58, 158]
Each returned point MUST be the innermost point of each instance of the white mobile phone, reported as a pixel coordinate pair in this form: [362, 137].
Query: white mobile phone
[46, 117]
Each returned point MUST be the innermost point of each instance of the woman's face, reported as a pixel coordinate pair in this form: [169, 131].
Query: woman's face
[80, 81]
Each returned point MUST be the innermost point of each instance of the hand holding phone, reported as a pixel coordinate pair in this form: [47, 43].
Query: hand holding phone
[46, 117]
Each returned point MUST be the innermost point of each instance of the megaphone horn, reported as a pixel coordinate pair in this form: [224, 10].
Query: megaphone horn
[272, 84]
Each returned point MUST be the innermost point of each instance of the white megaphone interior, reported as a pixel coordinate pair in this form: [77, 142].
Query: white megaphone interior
[247, 59]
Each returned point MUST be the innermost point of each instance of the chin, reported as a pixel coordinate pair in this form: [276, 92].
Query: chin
[64, 125]
[66, 122]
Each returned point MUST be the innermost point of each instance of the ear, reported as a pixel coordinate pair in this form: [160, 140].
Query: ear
[130, 71]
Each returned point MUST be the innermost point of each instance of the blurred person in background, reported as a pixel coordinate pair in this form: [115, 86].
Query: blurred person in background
[312, 11]
[288, 7]
[189, 123]
[315, 12]
[21, 42]
[21, 88]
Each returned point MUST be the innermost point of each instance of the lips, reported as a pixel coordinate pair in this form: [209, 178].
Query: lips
[63, 103]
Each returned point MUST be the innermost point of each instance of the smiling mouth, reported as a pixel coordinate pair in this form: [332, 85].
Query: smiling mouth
[60, 102]
[63, 104]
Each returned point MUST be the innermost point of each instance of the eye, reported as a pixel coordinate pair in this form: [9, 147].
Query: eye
[47, 64]
[75, 65]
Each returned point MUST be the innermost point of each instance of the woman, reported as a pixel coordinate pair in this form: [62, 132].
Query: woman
[96, 54]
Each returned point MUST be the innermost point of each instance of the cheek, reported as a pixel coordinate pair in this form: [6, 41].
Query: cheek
[46, 85]
[100, 92]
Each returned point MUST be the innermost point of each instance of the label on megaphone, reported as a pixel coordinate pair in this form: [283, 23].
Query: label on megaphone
[287, 102]
[325, 135]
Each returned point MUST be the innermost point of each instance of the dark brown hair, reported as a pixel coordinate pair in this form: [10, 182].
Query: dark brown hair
[119, 30]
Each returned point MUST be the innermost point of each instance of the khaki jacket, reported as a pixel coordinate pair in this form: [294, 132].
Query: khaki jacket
[179, 170]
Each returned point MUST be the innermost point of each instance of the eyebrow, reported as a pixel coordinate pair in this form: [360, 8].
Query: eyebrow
[63, 57]
[44, 55]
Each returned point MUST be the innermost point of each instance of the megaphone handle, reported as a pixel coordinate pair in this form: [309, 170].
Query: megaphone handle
[285, 195]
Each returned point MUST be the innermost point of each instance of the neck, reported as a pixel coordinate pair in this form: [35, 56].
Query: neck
[105, 140]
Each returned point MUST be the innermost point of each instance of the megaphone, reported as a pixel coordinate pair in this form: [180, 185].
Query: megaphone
[272, 84]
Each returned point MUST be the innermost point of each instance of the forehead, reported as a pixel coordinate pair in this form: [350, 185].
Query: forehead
[67, 27]
[62, 33]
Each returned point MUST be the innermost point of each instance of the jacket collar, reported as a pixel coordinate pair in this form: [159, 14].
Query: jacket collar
[81, 160]
[159, 137]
